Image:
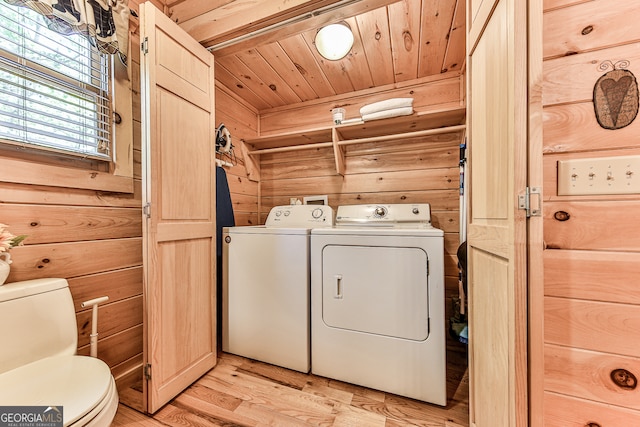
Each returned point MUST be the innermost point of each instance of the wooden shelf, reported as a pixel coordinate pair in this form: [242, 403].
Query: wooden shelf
[397, 128]
[290, 139]
[404, 124]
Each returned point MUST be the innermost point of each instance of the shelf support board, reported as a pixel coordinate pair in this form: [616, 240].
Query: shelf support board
[251, 163]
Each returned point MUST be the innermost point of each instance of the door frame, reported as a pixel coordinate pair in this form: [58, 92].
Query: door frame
[526, 366]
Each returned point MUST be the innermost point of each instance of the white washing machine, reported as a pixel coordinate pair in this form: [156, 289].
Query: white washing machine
[377, 300]
[265, 291]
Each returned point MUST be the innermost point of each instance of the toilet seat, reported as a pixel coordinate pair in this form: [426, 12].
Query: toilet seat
[82, 385]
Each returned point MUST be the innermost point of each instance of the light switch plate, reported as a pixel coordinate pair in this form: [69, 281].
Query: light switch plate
[602, 175]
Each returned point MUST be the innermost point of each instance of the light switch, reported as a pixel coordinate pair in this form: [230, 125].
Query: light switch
[602, 175]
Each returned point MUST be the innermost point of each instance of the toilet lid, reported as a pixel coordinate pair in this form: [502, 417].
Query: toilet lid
[77, 383]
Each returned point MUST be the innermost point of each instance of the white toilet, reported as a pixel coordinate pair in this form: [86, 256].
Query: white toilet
[38, 364]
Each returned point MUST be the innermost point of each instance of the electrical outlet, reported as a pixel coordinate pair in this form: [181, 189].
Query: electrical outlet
[604, 175]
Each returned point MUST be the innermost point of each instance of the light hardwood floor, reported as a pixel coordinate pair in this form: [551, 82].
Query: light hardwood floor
[243, 392]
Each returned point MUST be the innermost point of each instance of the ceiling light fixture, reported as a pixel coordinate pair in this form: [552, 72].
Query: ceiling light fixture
[334, 41]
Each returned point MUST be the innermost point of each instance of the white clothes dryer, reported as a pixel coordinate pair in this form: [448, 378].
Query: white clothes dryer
[377, 300]
[265, 291]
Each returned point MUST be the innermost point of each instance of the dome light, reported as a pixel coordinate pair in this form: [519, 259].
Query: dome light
[334, 41]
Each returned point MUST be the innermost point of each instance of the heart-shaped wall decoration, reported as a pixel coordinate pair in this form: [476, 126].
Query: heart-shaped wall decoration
[615, 99]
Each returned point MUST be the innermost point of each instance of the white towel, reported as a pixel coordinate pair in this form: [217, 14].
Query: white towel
[387, 104]
[404, 111]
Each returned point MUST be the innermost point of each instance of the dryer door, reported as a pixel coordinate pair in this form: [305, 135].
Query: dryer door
[379, 290]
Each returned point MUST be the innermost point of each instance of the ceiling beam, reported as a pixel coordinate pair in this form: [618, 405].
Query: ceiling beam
[244, 24]
[183, 10]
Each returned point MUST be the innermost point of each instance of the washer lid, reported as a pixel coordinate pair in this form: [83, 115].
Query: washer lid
[76, 383]
[261, 229]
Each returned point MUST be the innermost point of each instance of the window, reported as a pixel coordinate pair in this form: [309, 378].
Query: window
[54, 89]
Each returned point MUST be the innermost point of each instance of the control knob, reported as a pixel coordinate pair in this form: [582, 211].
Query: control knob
[316, 213]
[380, 212]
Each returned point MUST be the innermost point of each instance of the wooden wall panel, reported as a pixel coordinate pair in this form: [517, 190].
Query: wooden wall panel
[590, 260]
[244, 203]
[54, 224]
[593, 225]
[440, 200]
[429, 179]
[242, 122]
[430, 94]
[565, 411]
[116, 317]
[42, 195]
[571, 78]
[592, 275]
[549, 5]
[593, 25]
[572, 128]
[592, 325]
[117, 285]
[425, 153]
[587, 374]
[73, 259]
[29, 172]
[247, 218]
[115, 348]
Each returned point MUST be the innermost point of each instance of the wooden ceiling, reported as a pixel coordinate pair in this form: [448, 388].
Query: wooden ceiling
[395, 42]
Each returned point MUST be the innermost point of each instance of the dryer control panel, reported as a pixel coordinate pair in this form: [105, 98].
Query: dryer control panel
[304, 216]
[391, 215]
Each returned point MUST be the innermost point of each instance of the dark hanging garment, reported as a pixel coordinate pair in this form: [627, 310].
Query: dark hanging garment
[224, 218]
[224, 208]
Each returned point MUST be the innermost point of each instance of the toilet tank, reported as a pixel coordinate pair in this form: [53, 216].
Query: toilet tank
[37, 320]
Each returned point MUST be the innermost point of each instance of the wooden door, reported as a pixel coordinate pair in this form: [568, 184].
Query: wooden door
[497, 235]
[179, 187]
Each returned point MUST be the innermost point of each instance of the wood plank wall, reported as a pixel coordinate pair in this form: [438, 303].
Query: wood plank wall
[415, 170]
[592, 298]
[242, 122]
[88, 235]
[430, 94]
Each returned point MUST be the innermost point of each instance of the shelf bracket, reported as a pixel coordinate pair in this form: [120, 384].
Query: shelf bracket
[338, 152]
[251, 163]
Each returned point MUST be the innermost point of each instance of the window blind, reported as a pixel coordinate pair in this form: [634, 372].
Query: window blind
[54, 89]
